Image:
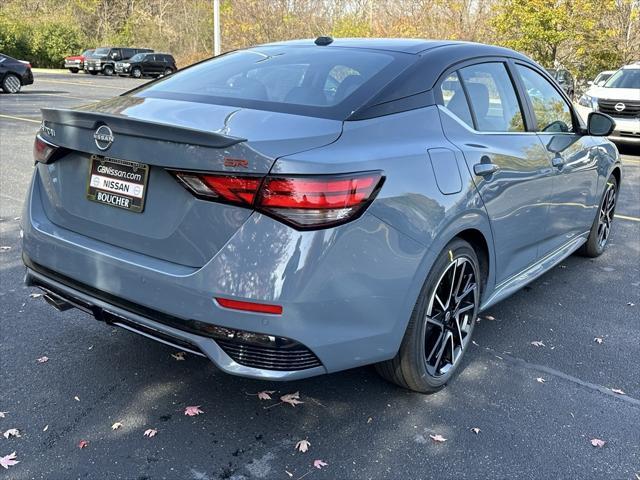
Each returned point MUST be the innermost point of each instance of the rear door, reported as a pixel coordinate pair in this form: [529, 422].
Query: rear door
[575, 174]
[481, 114]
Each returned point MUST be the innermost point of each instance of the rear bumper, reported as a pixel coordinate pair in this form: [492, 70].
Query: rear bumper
[347, 292]
[74, 64]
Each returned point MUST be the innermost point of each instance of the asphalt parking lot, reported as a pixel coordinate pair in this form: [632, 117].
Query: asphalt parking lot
[537, 407]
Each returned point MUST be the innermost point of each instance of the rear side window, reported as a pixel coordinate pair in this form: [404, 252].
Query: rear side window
[549, 107]
[315, 81]
[493, 98]
[455, 100]
[128, 52]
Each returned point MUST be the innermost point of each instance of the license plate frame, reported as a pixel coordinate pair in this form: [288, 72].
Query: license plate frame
[118, 183]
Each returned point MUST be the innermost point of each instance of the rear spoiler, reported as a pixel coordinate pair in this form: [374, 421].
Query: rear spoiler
[133, 127]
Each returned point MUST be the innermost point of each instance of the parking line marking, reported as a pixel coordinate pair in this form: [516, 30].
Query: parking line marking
[20, 118]
[624, 217]
[626, 160]
[85, 84]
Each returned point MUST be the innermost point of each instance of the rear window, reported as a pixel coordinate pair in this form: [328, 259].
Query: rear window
[315, 81]
[101, 51]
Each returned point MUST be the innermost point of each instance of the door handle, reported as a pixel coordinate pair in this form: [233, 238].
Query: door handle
[485, 169]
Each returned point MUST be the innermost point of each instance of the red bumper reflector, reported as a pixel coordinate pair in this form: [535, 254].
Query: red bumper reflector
[249, 306]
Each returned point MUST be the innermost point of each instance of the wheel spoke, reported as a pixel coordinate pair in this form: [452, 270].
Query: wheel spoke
[437, 344]
[443, 346]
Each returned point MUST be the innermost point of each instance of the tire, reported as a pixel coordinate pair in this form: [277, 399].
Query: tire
[107, 70]
[167, 71]
[92, 72]
[600, 231]
[136, 72]
[416, 364]
[11, 83]
[74, 70]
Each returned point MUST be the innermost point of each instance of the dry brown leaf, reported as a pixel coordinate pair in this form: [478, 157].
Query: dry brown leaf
[291, 474]
[618, 391]
[303, 445]
[476, 430]
[116, 426]
[538, 343]
[489, 317]
[43, 359]
[193, 411]
[265, 394]
[596, 442]
[319, 464]
[12, 432]
[179, 356]
[369, 420]
[540, 380]
[35, 295]
[292, 399]
[83, 444]
[437, 438]
[76, 398]
[598, 339]
[151, 432]
[9, 460]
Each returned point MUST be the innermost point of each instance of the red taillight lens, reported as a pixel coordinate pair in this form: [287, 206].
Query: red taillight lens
[43, 151]
[304, 202]
[249, 306]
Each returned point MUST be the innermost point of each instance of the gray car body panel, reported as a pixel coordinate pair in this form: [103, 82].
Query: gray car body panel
[347, 292]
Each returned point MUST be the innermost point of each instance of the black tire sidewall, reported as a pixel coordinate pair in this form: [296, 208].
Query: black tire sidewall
[592, 247]
[108, 70]
[412, 350]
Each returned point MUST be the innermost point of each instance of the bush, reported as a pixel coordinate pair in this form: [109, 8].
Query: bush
[50, 42]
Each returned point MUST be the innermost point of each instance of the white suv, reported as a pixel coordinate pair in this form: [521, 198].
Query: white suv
[619, 97]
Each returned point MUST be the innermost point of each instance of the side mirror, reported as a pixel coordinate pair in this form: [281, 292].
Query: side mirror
[600, 125]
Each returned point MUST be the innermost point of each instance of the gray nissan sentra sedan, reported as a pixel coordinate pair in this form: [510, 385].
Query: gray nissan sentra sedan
[305, 207]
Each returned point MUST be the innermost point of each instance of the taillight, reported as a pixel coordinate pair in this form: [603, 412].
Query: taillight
[43, 151]
[249, 306]
[304, 202]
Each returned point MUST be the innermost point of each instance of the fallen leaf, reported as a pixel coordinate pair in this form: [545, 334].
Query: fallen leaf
[489, 317]
[5, 249]
[476, 430]
[265, 394]
[179, 356]
[437, 438]
[319, 464]
[291, 474]
[46, 427]
[9, 460]
[76, 398]
[193, 411]
[116, 426]
[596, 442]
[16, 218]
[630, 304]
[43, 359]
[151, 432]
[369, 420]
[303, 445]
[2, 414]
[35, 295]
[12, 432]
[618, 391]
[83, 444]
[475, 343]
[598, 339]
[540, 380]
[538, 343]
[292, 399]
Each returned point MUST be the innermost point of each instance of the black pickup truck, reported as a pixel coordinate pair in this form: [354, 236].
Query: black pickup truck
[103, 59]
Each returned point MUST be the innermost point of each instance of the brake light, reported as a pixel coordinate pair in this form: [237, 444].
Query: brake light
[249, 306]
[304, 202]
[43, 151]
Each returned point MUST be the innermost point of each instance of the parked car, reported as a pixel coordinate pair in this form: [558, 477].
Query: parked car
[14, 74]
[565, 80]
[75, 63]
[103, 59]
[147, 64]
[620, 98]
[602, 78]
[305, 207]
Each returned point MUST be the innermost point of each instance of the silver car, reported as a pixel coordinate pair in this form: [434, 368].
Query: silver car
[305, 207]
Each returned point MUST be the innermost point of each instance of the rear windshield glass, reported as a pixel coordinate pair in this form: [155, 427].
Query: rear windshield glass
[629, 78]
[315, 81]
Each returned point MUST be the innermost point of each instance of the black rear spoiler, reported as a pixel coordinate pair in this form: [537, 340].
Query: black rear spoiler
[133, 127]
